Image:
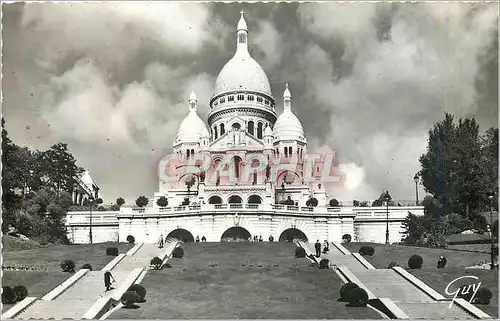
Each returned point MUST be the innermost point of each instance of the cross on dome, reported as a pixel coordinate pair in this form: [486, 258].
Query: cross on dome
[192, 101]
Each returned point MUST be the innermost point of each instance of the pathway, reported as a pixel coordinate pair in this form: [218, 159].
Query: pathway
[76, 300]
[387, 283]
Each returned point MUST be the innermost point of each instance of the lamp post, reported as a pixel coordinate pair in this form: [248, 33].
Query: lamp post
[491, 196]
[416, 179]
[91, 200]
[387, 198]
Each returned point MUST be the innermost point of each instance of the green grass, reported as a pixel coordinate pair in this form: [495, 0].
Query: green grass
[52, 256]
[399, 253]
[10, 243]
[38, 283]
[193, 290]
[436, 278]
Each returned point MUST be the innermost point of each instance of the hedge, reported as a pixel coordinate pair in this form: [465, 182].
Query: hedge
[68, 266]
[87, 266]
[300, 252]
[130, 239]
[178, 253]
[129, 298]
[113, 251]
[345, 289]
[367, 250]
[415, 262]
[140, 290]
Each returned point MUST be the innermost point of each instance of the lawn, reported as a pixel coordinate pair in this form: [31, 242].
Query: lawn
[436, 278]
[193, 290]
[38, 283]
[400, 254]
[50, 257]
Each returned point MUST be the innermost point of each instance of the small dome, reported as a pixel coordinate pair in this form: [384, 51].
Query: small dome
[242, 72]
[192, 129]
[288, 127]
[268, 131]
[192, 96]
[242, 24]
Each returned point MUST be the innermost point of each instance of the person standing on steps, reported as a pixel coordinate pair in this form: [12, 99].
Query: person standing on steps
[160, 242]
[317, 246]
[197, 238]
[325, 247]
[107, 280]
[203, 239]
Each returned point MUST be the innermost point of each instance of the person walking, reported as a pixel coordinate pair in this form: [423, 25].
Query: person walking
[261, 239]
[203, 239]
[160, 241]
[197, 238]
[325, 247]
[317, 246]
[108, 279]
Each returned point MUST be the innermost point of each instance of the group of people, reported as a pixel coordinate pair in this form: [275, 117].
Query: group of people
[256, 239]
[161, 240]
[317, 246]
[203, 238]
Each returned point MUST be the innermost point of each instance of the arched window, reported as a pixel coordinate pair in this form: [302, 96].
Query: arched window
[230, 98]
[254, 177]
[222, 129]
[192, 152]
[250, 98]
[259, 100]
[317, 169]
[259, 130]
[215, 132]
[290, 151]
[251, 127]
[237, 162]
[242, 38]
[286, 152]
[187, 153]
[217, 178]
[222, 100]
[241, 97]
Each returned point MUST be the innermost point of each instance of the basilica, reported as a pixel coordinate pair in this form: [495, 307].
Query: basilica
[244, 172]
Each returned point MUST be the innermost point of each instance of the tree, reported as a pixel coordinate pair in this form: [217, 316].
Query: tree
[162, 201]
[414, 227]
[120, 201]
[312, 202]
[141, 201]
[189, 181]
[334, 203]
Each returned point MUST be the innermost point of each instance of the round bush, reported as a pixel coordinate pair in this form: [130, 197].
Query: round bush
[345, 289]
[129, 298]
[140, 290]
[178, 253]
[68, 266]
[483, 296]
[156, 262]
[358, 297]
[300, 252]
[113, 251]
[324, 264]
[8, 295]
[393, 264]
[415, 262]
[366, 250]
[87, 266]
[346, 238]
[130, 239]
[21, 292]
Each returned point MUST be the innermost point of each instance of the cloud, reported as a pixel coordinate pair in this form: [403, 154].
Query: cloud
[367, 79]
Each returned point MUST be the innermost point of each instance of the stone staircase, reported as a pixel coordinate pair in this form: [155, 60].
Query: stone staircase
[387, 283]
[75, 301]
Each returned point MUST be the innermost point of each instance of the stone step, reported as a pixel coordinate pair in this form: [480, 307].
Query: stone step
[54, 309]
[385, 283]
[433, 310]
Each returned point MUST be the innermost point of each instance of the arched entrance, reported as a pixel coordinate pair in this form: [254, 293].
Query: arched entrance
[254, 199]
[235, 234]
[291, 234]
[235, 199]
[182, 235]
[215, 200]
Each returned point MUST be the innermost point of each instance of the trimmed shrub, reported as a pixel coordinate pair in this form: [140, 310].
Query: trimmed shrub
[483, 296]
[129, 299]
[415, 262]
[22, 292]
[113, 251]
[313, 265]
[87, 266]
[8, 295]
[442, 263]
[357, 298]
[366, 250]
[140, 290]
[68, 266]
[178, 253]
[324, 264]
[346, 238]
[345, 289]
[156, 262]
[131, 239]
[393, 264]
[300, 252]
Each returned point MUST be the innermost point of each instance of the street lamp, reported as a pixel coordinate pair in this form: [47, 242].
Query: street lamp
[387, 198]
[91, 200]
[416, 179]
[491, 196]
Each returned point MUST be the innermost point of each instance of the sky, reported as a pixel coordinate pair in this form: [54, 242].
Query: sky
[368, 80]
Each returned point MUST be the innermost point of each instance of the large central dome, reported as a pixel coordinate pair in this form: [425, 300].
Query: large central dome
[242, 72]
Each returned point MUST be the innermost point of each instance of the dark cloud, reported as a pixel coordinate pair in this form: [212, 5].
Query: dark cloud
[367, 79]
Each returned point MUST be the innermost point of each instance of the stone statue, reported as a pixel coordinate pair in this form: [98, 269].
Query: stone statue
[202, 177]
[268, 171]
